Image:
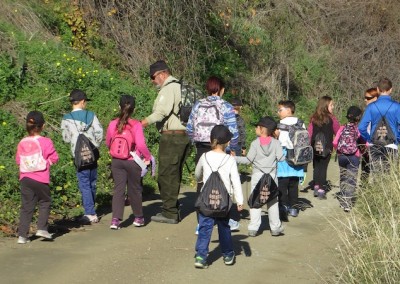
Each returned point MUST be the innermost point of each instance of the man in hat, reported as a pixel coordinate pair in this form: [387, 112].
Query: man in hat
[83, 121]
[174, 143]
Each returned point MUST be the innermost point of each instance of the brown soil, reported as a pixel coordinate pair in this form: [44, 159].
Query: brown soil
[163, 253]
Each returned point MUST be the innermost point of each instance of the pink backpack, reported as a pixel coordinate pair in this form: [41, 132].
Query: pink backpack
[31, 155]
[121, 143]
[347, 143]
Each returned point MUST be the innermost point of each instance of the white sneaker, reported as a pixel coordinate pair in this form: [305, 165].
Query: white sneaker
[234, 225]
[93, 218]
[278, 232]
[44, 234]
[23, 240]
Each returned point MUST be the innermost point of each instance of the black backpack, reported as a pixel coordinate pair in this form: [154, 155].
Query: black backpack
[320, 145]
[189, 96]
[214, 200]
[86, 154]
[383, 134]
[265, 190]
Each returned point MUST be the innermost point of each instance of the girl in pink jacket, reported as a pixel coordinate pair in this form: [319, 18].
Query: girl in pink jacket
[35, 154]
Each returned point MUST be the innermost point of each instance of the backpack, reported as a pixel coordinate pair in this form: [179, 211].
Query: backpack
[189, 96]
[347, 143]
[214, 200]
[31, 155]
[265, 190]
[302, 152]
[383, 134]
[121, 143]
[209, 114]
[320, 145]
[86, 154]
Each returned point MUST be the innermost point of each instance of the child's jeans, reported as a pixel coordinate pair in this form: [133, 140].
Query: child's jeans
[273, 210]
[87, 185]
[206, 225]
[348, 165]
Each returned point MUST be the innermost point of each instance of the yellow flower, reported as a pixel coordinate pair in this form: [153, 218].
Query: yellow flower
[58, 63]
[4, 123]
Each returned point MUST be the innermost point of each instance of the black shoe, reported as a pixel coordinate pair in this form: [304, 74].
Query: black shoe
[162, 219]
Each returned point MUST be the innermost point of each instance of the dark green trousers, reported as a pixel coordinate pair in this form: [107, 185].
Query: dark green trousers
[173, 151]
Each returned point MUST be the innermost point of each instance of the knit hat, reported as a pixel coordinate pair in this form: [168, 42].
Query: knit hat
[160, 65]
[35, 117]
[221, 133]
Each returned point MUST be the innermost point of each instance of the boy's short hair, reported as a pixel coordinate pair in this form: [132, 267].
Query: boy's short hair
[288, 104]
[384, 85]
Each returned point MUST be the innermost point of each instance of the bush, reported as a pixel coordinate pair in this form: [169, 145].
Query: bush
[370, 235]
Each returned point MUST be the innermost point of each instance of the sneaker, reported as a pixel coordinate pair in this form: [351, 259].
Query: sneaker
[252, 233]
[138, 222]
[316, 191]
[161, 219]
[93, 218]
[294, 212]
[229, 260]
[197, 229]
[44, 234]
[321, 194]
[23, 240]
[278, 232]
[89, 219]
[283, 213]
[115, 224]
[347, 209]
[200, 262]
[234, 225]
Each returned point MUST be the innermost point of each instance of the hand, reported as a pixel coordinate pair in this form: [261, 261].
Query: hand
[233, 153]
[243, 152]
[240, 207]
[147, 162]
[144, 123]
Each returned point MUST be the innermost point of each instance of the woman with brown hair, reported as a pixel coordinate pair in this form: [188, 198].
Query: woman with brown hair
[323, 126]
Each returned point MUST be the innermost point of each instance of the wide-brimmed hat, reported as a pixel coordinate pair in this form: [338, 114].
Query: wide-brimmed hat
[160, 65]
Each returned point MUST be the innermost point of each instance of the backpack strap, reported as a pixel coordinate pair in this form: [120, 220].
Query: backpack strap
[87, 124]
[223, 162]
[386, 110]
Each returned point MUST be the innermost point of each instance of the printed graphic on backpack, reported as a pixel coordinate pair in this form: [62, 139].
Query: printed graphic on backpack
[347, 143]
[31, 155]
[85, 156]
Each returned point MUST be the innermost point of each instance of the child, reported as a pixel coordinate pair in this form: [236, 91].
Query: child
[264, 153]
[125, 171]
[220, 137]
[288, 175]
[346, 144]
[35, 177]
[83, 121]
[237, 107]
[323, 124]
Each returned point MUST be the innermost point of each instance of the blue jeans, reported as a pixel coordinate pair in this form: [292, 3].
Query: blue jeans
[87, 186]
[206, 225]
[348, 165]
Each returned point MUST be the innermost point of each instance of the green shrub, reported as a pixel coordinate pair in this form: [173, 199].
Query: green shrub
[370, 236]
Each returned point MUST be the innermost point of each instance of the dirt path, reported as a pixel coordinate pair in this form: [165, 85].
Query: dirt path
[163, 253]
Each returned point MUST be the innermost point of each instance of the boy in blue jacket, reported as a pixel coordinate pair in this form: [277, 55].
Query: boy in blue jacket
[288, 175]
